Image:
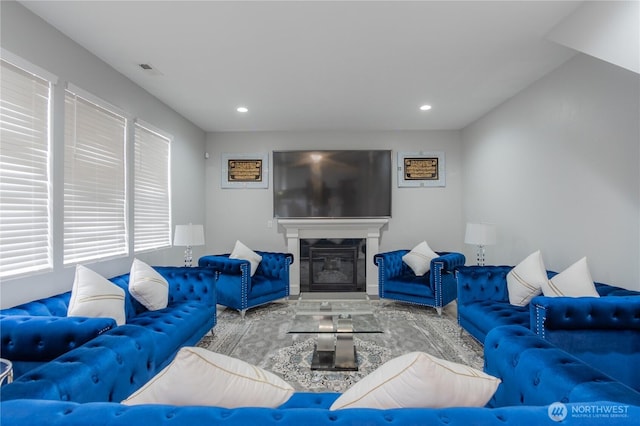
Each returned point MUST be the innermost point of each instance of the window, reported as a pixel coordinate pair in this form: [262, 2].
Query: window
[95, 208]
[152, 198]
[25, 200]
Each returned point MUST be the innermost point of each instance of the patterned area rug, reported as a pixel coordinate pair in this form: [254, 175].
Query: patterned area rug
[262, 339]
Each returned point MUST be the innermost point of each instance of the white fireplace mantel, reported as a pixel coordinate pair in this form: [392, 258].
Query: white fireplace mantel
[297, 229]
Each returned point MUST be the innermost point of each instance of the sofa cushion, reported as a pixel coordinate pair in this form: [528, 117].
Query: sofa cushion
[200, 377]
[483, 316]
[174, 326]
[147, 286]
[240, 251]
[419, 258]
[93, 295]
[418, 379]
[410, 286]
[526, 279]
[575, 281]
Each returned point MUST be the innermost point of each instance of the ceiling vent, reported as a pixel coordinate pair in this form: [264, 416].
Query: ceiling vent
[149, 69]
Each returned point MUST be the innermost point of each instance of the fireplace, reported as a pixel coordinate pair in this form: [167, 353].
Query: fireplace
[368, 230]
[332, 265]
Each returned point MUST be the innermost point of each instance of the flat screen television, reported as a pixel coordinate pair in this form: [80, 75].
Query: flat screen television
[332, 184]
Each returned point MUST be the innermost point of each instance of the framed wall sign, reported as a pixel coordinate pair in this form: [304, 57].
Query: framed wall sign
[421, 169]
[245, 171]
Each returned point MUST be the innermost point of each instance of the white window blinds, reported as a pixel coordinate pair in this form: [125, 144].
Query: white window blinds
[95, 220]
[24, 172]
[152, 197]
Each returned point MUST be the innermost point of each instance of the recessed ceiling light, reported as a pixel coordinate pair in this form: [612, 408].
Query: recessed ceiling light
[425, 107]
[242, 109]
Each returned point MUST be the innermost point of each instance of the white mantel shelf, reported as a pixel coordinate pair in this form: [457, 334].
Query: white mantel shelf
[297, 229]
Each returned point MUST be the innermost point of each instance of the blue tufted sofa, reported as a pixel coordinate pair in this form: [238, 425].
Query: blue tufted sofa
[437, 288]
[534, 374]
[311, 412]
[237, 289]
[39, 333]
[604, 332]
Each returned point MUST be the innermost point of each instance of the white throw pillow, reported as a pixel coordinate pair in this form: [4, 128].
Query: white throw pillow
[95, 296]
[419, 380]
[200, 377]
[525, 281]
[419, 258]
[147, 286]
[240, 251]
[575, 281]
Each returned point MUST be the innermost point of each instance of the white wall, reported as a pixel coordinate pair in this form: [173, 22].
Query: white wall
[607, 30]
[29, 37]
[432, 214]
[557, 169]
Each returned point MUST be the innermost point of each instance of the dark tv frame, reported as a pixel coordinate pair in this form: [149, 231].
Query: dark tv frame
[301, 198]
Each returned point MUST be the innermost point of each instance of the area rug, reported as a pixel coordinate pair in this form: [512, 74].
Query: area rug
[262, 339]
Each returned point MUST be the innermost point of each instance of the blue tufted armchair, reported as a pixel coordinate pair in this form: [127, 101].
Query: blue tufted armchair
[436, 288]
[237, 289]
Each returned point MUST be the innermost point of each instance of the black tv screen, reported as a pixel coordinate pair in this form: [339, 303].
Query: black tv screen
[332, 184]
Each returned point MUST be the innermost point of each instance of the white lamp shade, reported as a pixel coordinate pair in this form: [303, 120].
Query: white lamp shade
[189, 235]
[480, 234]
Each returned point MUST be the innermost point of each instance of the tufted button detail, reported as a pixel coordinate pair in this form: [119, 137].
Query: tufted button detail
[444, 419]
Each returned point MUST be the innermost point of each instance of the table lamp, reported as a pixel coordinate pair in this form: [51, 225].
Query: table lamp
[188, 235]
[480, 235]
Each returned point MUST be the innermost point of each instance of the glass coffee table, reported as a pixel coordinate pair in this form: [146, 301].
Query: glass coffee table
[6, 370]
[335, 323]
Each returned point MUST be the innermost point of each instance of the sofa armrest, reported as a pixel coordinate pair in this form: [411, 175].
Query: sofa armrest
[447, 262]
[40, 338]
[274, 265]
[481, 283]
[592, 313]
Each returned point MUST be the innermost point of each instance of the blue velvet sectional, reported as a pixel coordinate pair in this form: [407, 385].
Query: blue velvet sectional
[604, 332]
[55, 356]
[535, 376]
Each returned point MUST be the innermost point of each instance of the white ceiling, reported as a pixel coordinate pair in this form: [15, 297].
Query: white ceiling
[321, 65]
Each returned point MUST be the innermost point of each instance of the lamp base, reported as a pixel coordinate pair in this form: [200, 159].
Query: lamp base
[188, 257]
[480, 256]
